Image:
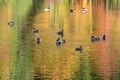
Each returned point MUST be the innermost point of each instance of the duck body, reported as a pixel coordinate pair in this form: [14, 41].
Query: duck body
[11, 23]
[60, 32]
[35, 30]
[47, 9]
[38, 40]
[72, 10]
[95, 38]
[104, 37]
[60, 41]
[79, 49]
[84, 10]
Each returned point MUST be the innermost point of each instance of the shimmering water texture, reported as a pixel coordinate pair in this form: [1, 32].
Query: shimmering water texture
[59, 39]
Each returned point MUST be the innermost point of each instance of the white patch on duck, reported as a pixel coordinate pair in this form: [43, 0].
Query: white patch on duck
[11, 23]
[47, 9]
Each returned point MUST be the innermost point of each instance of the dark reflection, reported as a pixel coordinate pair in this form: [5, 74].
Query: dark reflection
[84, 70]
[2, 3]
[37, 5]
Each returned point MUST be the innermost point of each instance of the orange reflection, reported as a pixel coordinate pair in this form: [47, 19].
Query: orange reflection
[106, 56]
[84, 3]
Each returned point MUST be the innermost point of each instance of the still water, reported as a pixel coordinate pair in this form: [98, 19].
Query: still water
[21, 58]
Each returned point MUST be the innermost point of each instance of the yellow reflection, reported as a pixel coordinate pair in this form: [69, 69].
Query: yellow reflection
[4, 43]
[50, 61]
[84, 3]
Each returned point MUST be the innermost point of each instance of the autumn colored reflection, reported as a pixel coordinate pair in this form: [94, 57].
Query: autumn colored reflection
[22, 58]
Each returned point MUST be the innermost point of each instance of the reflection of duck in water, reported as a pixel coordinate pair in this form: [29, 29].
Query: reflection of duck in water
[59, 41]
[84, 10]
[11, 23]
[104, 37]
[95, 38]
[79, 48]
[60, 32]
[47, 9]
[35, 30]
[72, 10]
[38, 40]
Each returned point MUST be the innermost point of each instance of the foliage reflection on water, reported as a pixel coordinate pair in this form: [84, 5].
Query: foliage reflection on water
[23, 59]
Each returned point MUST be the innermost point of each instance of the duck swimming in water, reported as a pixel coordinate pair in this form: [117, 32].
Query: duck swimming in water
[104, 37]
[95, 38]
[80, 48]
[38, 40]
[35, 30]
[47, 9]
[59, 41]
[60, 32]
[11, 23]
[84, 10]
[72, 10]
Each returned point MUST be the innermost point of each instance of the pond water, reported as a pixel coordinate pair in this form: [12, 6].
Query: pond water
[22, 58]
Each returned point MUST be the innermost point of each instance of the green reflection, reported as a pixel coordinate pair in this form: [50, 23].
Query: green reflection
[2, 2]
[20, 39]
[84, 72]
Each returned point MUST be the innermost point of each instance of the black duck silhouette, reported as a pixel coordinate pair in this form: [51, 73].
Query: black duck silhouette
[104, 37]
[38, 40]
[61, 32]
[80, 48]
[35, 30]
[72, 10]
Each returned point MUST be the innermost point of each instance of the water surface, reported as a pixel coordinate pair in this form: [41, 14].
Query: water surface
[21, 58]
